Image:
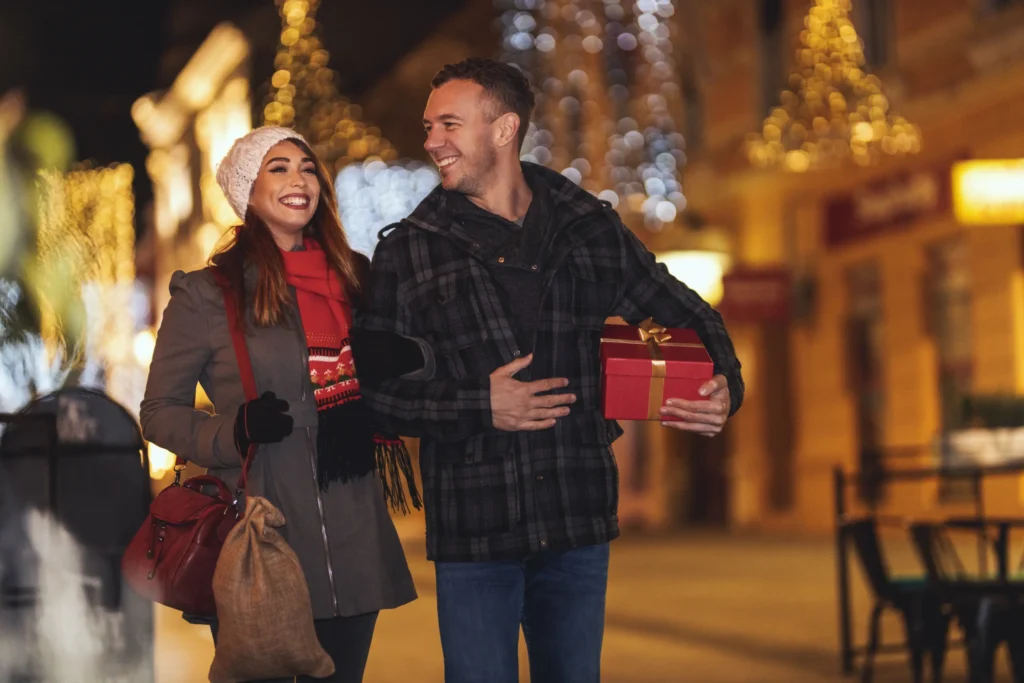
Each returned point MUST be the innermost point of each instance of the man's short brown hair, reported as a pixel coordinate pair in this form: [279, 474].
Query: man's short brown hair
[507, 86]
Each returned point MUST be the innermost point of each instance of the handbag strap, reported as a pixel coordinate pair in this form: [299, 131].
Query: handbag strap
[237, 335]
[245, 363]
[235, 313]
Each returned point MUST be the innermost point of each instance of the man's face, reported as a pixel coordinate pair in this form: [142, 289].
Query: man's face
[461, 135]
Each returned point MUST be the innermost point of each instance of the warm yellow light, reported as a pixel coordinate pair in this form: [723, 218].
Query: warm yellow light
[143, 346]
[161, 461]
[701, 271]
[207, 237]
[227, 119]
[220, 54]
[798, 160]
[989, 191]
[863, 131]
[86, 265]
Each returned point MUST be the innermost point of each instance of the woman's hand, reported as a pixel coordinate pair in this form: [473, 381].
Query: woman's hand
[263, 420]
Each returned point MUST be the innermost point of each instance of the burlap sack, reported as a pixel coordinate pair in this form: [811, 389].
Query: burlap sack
[266, 620]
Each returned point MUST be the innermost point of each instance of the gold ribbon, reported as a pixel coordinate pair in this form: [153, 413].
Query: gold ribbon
[655, 335]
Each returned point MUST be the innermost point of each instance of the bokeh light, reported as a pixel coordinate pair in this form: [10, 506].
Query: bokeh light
[373, 194]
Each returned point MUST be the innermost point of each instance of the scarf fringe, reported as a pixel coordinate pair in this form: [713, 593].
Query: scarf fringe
[394, 465]
[349, 448]
[344, 444]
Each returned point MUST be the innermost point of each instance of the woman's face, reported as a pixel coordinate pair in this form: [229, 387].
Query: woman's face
[286, 193]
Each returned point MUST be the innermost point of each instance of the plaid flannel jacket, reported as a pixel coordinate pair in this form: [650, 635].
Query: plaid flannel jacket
[489, 494]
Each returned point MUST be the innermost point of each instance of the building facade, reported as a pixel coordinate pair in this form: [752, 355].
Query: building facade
[899, 311]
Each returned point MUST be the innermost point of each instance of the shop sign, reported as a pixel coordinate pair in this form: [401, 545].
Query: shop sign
[886, 206]
[756, 295]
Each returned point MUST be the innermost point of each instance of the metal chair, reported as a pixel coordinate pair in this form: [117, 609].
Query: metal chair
[925, 621]
[990, 611]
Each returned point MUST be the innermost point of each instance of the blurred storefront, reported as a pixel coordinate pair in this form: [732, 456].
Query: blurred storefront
[896, 310]
[188, 129]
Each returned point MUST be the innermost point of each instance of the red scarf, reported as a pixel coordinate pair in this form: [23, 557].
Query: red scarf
[326, 317]
[347, 444]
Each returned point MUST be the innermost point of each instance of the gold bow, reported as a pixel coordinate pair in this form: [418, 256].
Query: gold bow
[652, 331]
[655, 335]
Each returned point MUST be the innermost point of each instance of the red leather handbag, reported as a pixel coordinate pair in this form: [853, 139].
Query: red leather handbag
[172, 557]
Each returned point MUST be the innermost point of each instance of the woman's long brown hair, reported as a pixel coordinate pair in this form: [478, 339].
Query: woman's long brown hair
[254, 243]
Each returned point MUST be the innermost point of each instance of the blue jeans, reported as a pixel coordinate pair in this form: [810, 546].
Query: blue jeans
[557, 597]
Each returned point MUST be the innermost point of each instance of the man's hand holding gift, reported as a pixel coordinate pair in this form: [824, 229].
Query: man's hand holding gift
[705, 417]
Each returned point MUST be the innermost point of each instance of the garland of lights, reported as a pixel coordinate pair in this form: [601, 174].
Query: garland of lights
[834, 110]
[304, 95]
[527, 43]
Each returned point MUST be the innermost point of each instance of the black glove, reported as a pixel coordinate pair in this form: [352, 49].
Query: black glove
[382, 355]
[262, 421]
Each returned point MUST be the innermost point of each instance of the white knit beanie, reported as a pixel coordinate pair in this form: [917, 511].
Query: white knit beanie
[238, 171]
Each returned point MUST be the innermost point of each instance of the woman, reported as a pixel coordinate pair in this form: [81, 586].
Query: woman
[297, 280]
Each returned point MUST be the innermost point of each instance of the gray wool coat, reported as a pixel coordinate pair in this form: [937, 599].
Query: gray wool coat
[345, 539]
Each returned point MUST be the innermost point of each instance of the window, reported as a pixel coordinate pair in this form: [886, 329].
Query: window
[873, 20]
[864, 374]
[948, 319]
[949, 323]
[772, 30]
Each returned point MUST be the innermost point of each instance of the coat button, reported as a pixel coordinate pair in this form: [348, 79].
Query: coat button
[501, 259]
[516, 353]
[533, 267]
[544, 543]
[540, 477]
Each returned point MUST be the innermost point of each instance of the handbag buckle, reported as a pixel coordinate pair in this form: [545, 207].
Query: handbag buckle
[235, 501]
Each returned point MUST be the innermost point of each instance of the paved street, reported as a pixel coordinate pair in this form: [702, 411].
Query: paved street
[693, 608]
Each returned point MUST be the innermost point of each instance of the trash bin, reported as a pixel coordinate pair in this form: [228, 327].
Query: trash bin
[79, 456]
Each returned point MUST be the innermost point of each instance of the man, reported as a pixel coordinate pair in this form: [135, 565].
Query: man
[509, 271]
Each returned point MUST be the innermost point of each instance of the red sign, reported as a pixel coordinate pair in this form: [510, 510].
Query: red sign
[756, 295]
[891, 204]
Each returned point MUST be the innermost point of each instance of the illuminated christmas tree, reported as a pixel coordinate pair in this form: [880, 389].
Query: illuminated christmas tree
[304, 94]
[373, 186]
[833, 110]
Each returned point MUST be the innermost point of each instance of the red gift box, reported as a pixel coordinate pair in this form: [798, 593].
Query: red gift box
[642, 367]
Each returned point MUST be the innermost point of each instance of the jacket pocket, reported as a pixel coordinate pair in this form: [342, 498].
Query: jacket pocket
[452, 313]
[593, 298]
[478, 496]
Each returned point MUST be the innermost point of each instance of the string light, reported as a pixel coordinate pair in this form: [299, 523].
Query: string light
[834, 110]
[608, 68]
[655, 153]
[304, 94]
[531, 45]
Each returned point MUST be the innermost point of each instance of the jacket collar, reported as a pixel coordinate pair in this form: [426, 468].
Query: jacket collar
[568, 201]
